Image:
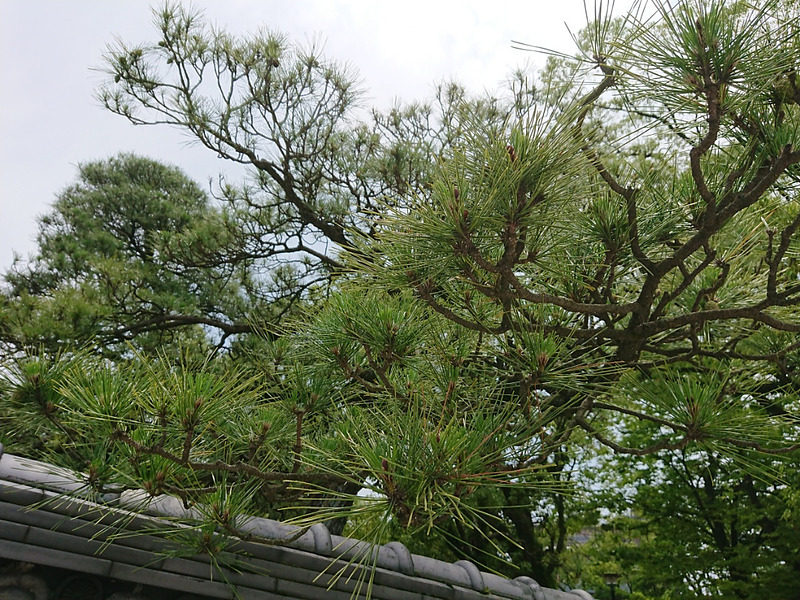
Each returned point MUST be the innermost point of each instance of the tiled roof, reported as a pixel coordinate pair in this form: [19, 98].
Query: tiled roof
[45, 520]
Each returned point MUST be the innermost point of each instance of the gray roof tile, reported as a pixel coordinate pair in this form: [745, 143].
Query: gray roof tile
[47, 516]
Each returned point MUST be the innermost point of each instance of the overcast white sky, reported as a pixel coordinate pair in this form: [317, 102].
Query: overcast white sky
[50, 122]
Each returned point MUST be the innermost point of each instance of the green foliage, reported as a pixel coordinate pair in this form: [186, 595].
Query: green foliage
[466, 308]
[690, 525]
[111, 266]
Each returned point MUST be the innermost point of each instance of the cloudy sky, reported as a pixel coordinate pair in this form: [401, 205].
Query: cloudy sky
[50, 51]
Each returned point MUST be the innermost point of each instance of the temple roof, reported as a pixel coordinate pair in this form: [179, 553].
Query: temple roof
[48, 518]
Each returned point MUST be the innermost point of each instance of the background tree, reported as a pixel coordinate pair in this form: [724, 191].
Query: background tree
[112, 266]
[689, 525]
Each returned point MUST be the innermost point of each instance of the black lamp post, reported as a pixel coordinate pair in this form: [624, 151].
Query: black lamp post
[612, 581]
